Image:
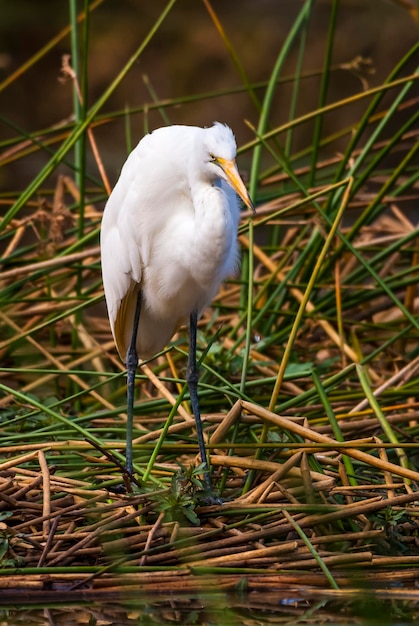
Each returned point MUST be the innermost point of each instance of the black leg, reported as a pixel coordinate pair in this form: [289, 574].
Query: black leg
[132, 363]
[192, 378]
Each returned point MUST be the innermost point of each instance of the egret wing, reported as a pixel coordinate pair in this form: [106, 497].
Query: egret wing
[121, 264]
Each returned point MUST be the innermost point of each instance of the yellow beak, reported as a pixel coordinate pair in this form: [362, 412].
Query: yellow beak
[230, 170]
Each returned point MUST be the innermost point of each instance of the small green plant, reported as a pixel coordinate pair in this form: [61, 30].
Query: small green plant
[186, 492]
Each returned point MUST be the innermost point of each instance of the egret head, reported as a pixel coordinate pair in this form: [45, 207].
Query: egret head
[219, 152]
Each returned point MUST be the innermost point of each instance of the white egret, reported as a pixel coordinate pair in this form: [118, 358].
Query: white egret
[168, 240]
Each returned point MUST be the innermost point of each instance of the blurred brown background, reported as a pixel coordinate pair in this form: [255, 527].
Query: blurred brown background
[187, 56]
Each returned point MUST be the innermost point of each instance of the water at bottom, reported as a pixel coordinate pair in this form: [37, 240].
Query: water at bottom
[368, 608]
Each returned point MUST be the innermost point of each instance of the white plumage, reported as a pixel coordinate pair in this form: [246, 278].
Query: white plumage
[168, 240]
[170, 229]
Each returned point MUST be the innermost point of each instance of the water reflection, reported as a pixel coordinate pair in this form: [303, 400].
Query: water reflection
[251, 609]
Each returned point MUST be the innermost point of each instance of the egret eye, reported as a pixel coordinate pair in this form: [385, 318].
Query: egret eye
[213, 158]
